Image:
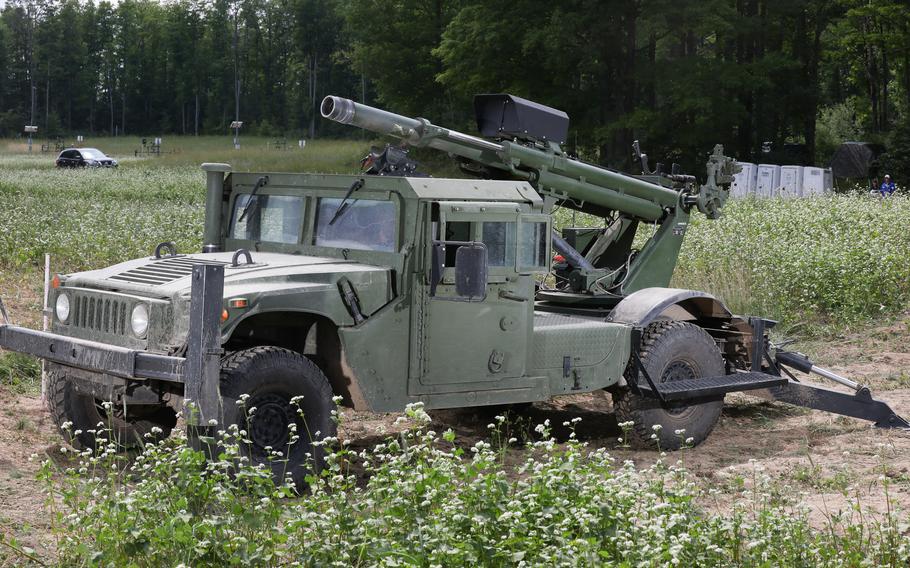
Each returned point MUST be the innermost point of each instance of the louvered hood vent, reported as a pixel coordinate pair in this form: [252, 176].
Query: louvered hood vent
[162, 271]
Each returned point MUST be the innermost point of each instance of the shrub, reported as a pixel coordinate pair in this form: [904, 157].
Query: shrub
[428, 502]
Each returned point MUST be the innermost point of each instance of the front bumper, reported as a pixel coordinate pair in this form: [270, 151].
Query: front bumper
[92, 356]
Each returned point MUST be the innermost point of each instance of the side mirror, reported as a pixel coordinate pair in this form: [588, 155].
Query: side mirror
[471, 271]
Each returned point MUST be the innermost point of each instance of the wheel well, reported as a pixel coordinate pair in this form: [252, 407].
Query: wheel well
[309, 334]
[733, 333]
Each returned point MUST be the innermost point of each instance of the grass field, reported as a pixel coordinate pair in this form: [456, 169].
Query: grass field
[422, 498]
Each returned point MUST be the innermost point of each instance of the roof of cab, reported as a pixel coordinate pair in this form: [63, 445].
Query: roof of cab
[481, 189]
[419, 187]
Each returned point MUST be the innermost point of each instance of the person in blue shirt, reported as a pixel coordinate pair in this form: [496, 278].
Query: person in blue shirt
[887, 187]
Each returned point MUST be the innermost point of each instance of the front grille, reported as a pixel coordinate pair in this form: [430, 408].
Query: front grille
[162, 271]
[107, 315]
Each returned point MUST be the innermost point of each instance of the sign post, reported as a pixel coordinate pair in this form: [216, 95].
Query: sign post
[236, 126]
[30, 130]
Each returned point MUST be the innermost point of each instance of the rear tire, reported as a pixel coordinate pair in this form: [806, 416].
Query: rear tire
[88, 417]
[271, 377]
[671, 350]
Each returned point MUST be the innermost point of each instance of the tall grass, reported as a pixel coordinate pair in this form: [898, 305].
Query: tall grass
[94, 217]
[833, 259]
[837, 258]
[20, 373]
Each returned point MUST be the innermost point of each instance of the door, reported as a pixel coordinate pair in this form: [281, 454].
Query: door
[476, 343]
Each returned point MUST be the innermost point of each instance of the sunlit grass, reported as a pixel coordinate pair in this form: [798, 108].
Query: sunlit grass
[256, 153]
[835, 258]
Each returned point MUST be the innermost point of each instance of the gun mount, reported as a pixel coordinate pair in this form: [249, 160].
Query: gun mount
[525, 145]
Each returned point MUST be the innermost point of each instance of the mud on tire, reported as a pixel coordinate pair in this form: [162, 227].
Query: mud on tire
[85, 413]
[671, 350]
[271, 377]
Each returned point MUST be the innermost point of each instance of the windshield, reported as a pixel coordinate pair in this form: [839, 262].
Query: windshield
[366, 225]
[93, 154]
[275, 219]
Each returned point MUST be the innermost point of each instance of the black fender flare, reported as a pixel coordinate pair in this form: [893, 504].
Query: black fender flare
[647, 305]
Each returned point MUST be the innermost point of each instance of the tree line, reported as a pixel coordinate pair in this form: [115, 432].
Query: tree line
[791, 77]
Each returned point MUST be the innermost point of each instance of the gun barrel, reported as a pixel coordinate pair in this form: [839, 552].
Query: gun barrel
[581, 182]
[411, 130]
[377, 120]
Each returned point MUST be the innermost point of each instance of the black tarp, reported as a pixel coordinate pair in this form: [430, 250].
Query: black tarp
[856, 160]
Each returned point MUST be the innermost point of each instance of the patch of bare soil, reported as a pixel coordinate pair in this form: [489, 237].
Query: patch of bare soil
[878, 356]
[25, 429]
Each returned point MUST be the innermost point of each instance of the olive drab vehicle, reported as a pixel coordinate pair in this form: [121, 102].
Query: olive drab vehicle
[391, 287]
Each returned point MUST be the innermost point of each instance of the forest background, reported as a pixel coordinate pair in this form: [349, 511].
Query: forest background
[795, 76]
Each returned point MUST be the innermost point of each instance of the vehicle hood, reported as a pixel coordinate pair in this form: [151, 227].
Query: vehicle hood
[270, 274]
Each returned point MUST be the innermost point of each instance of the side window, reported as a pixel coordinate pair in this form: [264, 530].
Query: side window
[456, 231]
[515, 241]
[498, 236]
[533, 254]
[500, 240]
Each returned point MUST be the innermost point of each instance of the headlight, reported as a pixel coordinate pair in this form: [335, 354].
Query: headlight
[62, 308]
[139, 320]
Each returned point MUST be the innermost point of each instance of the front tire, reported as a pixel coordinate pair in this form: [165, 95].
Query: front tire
[90, 421]
[671, 350]
[271, 377]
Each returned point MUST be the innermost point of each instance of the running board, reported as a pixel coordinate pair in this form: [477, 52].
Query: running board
[856, 405]
[711, 387]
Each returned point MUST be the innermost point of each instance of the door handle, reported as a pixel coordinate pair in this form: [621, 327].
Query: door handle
[506, 295]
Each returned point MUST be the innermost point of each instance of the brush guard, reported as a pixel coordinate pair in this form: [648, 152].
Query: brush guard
[199, 371]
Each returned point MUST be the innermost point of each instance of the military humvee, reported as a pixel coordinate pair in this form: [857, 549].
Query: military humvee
[390, 287]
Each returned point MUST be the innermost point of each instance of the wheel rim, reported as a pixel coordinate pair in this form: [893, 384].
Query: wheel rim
[679, 370]
[269, 423]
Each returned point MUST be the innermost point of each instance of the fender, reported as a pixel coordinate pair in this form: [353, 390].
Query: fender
[648, 304]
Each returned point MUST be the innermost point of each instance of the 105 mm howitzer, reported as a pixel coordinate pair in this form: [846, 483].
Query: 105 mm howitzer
[527, 147]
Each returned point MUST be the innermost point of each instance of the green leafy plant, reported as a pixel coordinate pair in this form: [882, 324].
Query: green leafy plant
[417, 499]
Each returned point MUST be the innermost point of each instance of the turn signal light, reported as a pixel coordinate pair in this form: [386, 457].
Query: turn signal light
[224, 315]
[55, 281]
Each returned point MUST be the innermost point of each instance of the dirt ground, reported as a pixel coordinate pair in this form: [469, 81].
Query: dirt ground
[828, 461]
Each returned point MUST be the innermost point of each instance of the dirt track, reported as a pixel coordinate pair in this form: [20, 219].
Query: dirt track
[828, 459]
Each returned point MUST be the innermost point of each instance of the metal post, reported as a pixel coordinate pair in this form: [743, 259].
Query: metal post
[214, 195]
[46, 319]
[202, 398]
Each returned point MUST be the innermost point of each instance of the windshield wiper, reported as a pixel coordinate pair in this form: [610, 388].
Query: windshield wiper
[344, 205]
[249, 204]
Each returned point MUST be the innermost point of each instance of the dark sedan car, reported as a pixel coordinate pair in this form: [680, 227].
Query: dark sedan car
[82, 157]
